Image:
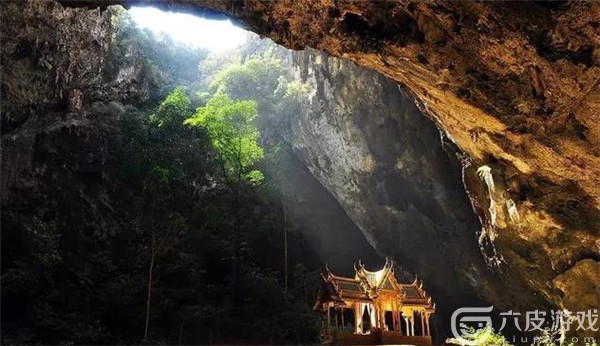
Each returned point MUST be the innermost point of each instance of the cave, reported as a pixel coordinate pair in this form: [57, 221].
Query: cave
[459, 139]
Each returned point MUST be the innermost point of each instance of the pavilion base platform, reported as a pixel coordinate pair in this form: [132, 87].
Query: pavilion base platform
[385, 338]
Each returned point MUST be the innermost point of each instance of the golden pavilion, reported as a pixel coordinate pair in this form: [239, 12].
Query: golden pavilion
[374, 308]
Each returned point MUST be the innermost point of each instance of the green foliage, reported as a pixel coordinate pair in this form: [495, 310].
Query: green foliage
[296, 89]
[173, 110]
[254, 177]
[546, 337]
[480, 337]
[549, 337]
[258, 77]
[156, 188]
[262, 78]
[230, 125]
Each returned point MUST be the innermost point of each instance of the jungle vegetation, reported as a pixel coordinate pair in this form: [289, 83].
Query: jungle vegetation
[174, 235]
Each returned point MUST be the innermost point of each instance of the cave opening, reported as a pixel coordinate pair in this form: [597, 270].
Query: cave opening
[214, 35]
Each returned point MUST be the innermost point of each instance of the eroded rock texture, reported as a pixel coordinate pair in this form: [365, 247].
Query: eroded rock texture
[49, 58]
[395, 176]
[401, 182]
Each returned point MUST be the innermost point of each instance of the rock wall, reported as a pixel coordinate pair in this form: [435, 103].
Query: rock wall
[50, 57]
[400, 180]
[312, 211]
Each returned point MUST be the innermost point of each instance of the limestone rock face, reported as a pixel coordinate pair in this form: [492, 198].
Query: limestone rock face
[49, 56]
[56, 62]
[400, 181]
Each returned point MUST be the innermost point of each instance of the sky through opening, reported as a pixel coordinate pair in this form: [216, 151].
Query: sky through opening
[215, 35]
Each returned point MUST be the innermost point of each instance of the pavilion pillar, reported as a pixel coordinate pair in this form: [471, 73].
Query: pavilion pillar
[412, 324]
[397, 321]
[373, 316]
[357, 318]
[396, 317]
[380, 314]
[407, 325]
[427, 316]
[422, 316]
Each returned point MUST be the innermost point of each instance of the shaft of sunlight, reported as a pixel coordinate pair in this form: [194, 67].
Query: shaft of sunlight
[215, 35]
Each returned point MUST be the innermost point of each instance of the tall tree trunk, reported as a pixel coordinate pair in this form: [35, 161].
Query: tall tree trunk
[236, 243]
[150, 270]
[180, 331]
[285, 247]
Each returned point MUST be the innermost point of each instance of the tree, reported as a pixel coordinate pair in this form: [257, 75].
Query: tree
[161, 224]
[173, 110]
[256, 79]
[230, 126]
[159, 220]
[262, 78]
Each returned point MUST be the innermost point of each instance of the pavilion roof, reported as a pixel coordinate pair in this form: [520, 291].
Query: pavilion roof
[367, 285]
[374, 280]
[414, 294]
